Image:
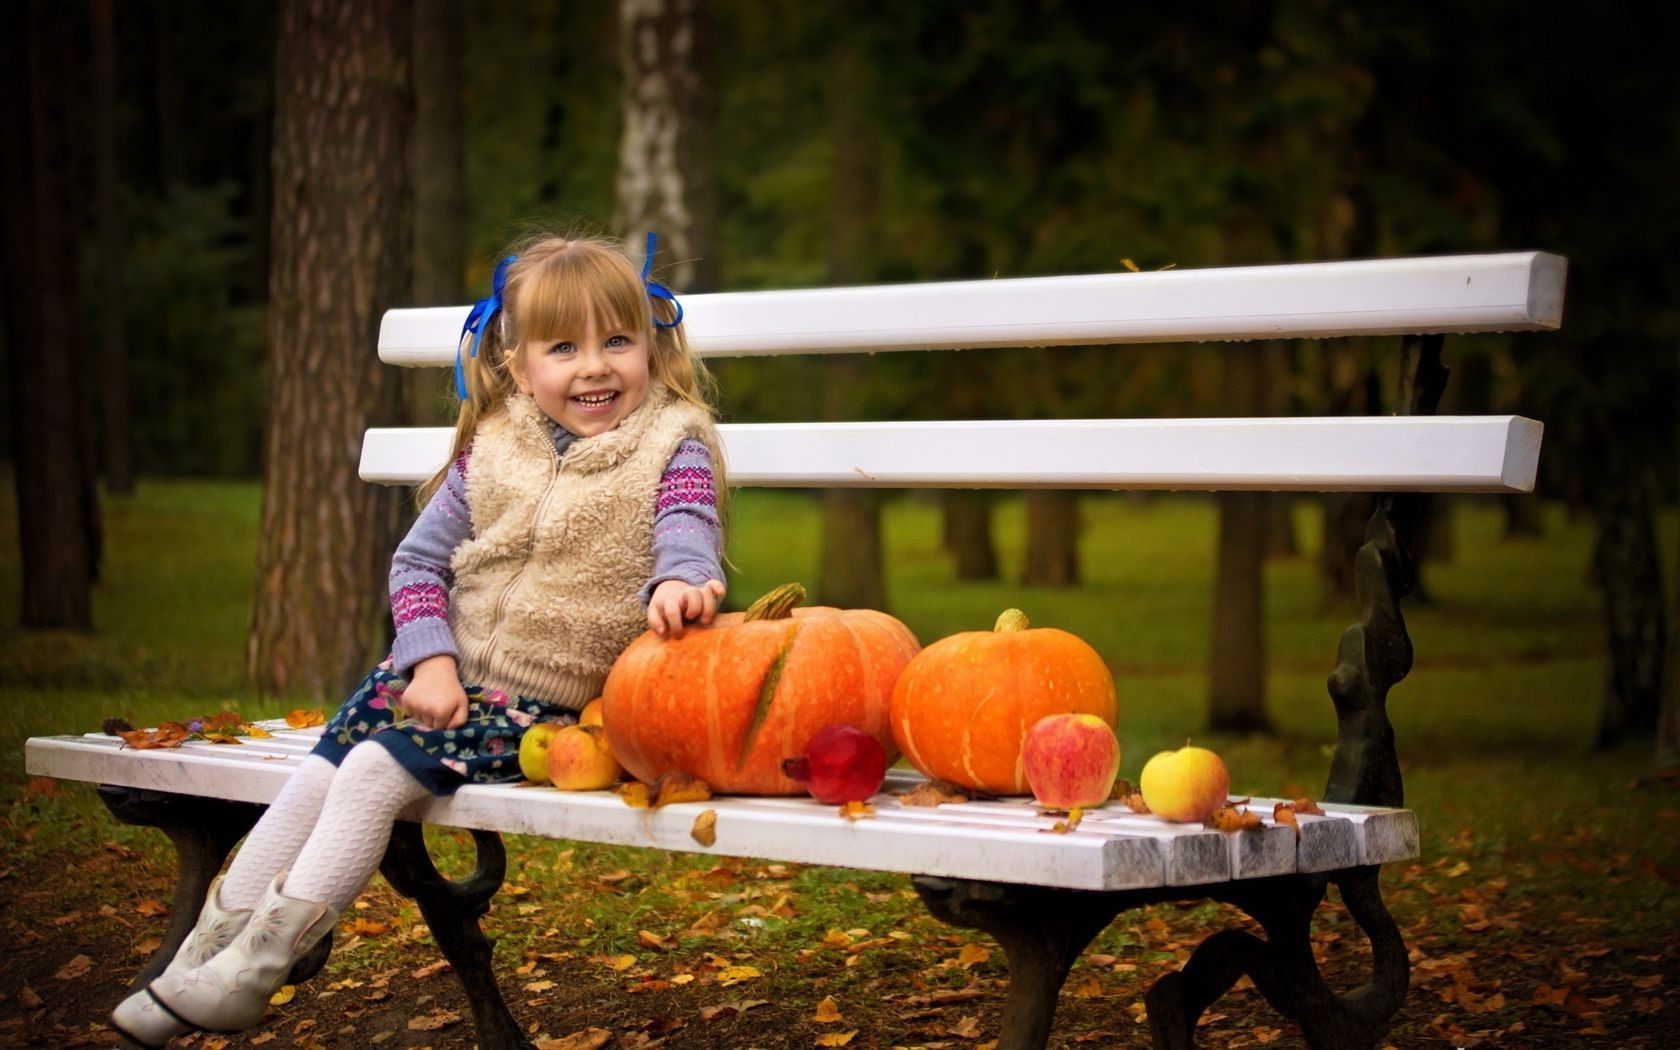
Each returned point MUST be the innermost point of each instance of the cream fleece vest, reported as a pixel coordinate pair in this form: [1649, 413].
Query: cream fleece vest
[545, 591]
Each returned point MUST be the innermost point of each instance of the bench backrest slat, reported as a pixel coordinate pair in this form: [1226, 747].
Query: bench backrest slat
[1515, 291]
[1374, 453]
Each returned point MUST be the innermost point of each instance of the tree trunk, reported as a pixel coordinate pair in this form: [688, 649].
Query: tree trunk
[852, 573]
[341, 256]
[1051, 558]
[1278, 360]
[440, 188]
[58, 510]
[118, 431]
[1237, 676]
[968, 533]
[665, 171]
[1625, 562]
[440, 176]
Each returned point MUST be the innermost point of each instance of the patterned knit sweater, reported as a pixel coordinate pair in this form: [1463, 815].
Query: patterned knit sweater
[674, 511]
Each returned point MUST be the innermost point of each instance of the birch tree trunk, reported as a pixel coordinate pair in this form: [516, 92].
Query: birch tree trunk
[665, 171]
[341, 257]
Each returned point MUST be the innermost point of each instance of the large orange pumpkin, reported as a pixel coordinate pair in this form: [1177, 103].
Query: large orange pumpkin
[962, 708]
[727, 703]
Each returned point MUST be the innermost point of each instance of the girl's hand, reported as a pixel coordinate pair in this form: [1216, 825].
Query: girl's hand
[434, 696]
[674, 602]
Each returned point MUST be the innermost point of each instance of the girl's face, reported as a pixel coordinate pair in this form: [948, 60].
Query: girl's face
[588, 381]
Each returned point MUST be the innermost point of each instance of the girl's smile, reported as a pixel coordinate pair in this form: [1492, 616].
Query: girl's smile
[588, 381]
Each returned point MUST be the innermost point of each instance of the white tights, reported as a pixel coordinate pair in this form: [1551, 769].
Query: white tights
[329, 826]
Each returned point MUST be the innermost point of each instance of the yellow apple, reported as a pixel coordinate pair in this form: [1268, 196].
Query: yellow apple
[591, 713]
[580, 760]
[1185, 785]
[1071, 760]
[533, 751]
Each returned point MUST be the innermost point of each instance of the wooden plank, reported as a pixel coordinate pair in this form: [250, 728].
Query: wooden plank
[1515, 291]
[1007, 840]
[1303, 454]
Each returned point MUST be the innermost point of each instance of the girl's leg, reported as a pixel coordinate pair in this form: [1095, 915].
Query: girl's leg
[349, 840]
[341, 850]
[274, 843]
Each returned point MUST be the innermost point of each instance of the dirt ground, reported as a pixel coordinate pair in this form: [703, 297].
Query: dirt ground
[64, 968]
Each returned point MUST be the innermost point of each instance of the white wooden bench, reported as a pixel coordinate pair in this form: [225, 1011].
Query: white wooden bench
[989, 864]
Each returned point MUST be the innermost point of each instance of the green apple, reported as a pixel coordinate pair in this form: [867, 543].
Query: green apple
[533, 751]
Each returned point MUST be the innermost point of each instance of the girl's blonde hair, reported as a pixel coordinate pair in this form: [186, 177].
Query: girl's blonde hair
[550, 284]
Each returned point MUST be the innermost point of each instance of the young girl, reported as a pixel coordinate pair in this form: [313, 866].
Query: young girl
[579, 507]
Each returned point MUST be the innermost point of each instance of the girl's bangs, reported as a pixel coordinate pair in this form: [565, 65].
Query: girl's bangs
[563, 293]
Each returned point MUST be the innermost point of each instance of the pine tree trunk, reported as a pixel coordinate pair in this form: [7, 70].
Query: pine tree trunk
[341, 256]
[665, 168]
[58, 507]
[1051, 558]
[118, 429]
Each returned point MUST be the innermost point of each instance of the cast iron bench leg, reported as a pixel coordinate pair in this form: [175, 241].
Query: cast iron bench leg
[452, 910]
[1042, 931]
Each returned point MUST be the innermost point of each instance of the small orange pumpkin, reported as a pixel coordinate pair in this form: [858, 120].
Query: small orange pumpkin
[728, 702]
[961, 710]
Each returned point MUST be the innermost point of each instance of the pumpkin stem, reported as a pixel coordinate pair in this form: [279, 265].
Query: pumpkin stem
[777, 604]
[1011, 620]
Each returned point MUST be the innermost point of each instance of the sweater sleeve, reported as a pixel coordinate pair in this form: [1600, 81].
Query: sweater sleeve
[420, 573]
[687, 532]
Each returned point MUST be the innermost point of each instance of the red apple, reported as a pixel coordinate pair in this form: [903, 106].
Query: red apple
[1071, 760]
[580, 760]
[1185, 785]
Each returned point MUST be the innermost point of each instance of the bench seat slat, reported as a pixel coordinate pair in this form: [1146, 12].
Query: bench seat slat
[1298, 454]
[1512, 291]
[1000, 840]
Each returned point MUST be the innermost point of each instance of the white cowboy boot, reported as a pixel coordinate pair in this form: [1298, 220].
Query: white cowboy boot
[138, 1017]
[230, 992]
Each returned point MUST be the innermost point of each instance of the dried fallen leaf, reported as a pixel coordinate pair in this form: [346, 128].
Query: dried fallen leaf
[649, 939]
[857, 811]
[967, 1028]
[972, 954]
[27, 996]
[77, 967]
[1284, 813]
[704, 830]
[303, 718]
[1135, 802]
[1062, 827]
[588, 1039]
[1129, 264]
[836, 1038]
[932, 793]
[828, 1011]
[430, 969]
[364, 927]
[286, 994]
[222, 738]
[634, 794]
[1231, 818]
[1307, 806]
[433, 1021]
[736, 974]
[616, 962]
[150, 908]
[680, 787]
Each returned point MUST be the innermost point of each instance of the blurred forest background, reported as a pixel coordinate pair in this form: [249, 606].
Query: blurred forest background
[208, 206]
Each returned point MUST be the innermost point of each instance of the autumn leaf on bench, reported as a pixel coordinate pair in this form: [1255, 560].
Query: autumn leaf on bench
[1284, 812]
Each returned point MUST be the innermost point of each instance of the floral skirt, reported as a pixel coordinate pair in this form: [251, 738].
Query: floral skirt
[483, 751]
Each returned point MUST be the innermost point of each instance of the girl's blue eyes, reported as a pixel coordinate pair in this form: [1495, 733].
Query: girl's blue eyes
[615, 342]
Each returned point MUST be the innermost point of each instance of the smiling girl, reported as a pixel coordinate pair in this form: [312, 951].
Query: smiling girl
[578, 507]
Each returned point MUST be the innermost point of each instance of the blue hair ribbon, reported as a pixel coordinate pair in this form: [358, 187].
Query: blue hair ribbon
[654, 288]
[478, 318]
